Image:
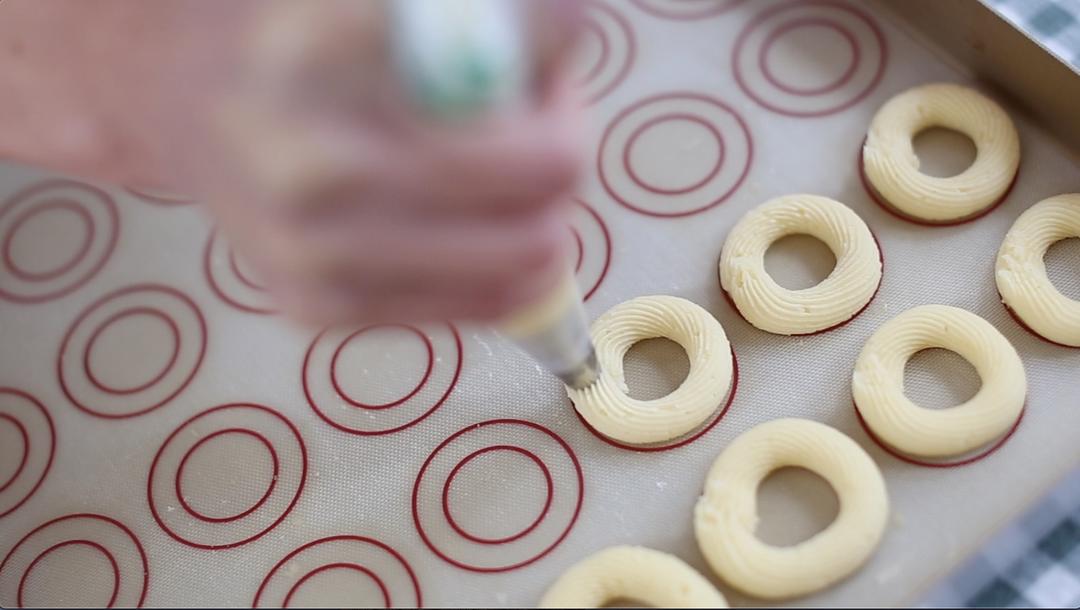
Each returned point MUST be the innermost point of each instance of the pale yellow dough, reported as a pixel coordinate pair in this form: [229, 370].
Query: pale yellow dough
[839, 297]
[606, 405]
[892, 167]
[726, 514]
[878, 382]
[1021, 272]
[635, 573]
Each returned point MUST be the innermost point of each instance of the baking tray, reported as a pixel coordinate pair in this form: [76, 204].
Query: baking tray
[303, 493]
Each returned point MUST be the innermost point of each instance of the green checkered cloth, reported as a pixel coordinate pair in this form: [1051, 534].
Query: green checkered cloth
[1034, 563]
[1055, 24]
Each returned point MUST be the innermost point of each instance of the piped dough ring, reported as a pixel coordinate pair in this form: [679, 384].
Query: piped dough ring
[636, 573]
[726, 514]
[877, 384]
[837, 299]
[1021, 272]
[606, 405]
[891, 166]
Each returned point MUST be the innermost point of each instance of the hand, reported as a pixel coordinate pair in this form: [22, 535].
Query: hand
[288, 120]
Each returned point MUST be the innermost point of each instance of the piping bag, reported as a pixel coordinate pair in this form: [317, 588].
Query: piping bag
[463, 58]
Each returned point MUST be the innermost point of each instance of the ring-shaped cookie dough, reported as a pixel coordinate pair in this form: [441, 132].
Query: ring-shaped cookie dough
[1021, 272]
[726, 513]
[636, 573]
[606, 405]
[891, 166]
[877, 385]
[837, 299]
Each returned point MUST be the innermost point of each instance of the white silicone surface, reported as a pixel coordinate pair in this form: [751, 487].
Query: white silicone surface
[353, 474]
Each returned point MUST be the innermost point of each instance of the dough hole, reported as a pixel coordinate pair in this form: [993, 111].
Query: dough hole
[939, 379]
[943, 152]
[799, 261]
[1063, 267]
[793, 505]
[655, 368]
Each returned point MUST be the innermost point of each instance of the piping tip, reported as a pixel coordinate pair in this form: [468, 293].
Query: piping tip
[583, 375]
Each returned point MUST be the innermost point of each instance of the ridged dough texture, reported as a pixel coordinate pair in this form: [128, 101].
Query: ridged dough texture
[838, 298]
[726, 514]
[606, 405]
[892, 167]
[877, 384]
[635, 573]
[1021, 272]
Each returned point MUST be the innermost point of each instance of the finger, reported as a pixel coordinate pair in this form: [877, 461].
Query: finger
[501, 166]
[300, 165]
[318, 55]
[310, 168]
[391, 251]
[308, 161]
[324, 304]
[414, 250]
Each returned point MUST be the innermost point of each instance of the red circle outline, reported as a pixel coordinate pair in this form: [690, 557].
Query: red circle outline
[131, 311]
[721, 7]
[761, 17]
[318, 541]
[580, 249]
[52, 447]
[333, 566]
[219, 290]
[80, 253]
[133, 288]
[676, 95]
[90, 543]
[1016, 317]
[794, 24]
[903, 457]
[25, 449]
[631, 49]
[881, 280]
[262, 500]
[669, 117]
[288, 509]
[896, 212]
[591, 26]
[114, 216]
[607, 248]
[164, 201]
[686, 441]
[247, 281]
[475, 454]
[438, 403]
[393, 403]
[472, 428]
[110, 520]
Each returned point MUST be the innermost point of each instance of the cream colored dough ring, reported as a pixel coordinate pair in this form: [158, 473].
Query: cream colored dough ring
[726, 514]
[605, 404]
[1021, 272]
[838, 298]
[891, 166]
[635, 573]
[878, 383]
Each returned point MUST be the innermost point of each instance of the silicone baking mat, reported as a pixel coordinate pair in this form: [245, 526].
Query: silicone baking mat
[165, 439]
